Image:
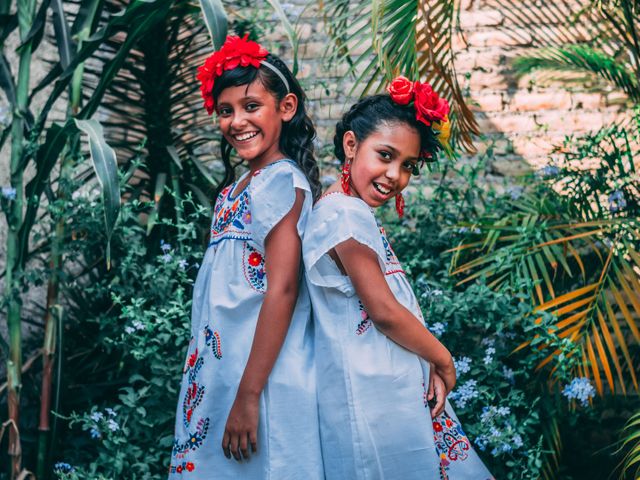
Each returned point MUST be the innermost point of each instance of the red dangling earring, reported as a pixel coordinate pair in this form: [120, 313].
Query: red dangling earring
[400, 205]
[345, 178]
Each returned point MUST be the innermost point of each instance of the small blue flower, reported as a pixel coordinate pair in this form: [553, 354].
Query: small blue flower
[183, 264]
[515, 192]
[166, 258]
[95, 433]
[112, 425]
[97, 416]
[438, 328]
[9, 193]
[63, 467]
[463, 365]
[509, 374]
[465, 392]
[488, 355]
[550, 171]
[517, 440]
[110, 411]
[579, 389]
[165, 247]
[617, 201]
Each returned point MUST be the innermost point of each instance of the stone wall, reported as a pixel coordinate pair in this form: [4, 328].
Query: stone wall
[522, 119]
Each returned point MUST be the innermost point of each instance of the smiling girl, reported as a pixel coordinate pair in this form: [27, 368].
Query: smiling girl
[248, 383]
[374, 355]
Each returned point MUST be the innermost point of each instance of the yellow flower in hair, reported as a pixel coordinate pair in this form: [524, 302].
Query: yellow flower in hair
[443, 131]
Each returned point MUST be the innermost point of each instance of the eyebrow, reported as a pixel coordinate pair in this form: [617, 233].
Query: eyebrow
[247, 97]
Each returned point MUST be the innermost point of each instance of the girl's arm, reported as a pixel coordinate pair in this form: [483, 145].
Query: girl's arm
[389, 315]
[282, 262]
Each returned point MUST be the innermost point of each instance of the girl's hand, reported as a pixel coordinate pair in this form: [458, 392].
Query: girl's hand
[241, 429]
[437, 393]
[447, 372]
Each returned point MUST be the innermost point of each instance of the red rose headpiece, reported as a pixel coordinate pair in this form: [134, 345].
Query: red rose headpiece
[430, 109]
[235, 52]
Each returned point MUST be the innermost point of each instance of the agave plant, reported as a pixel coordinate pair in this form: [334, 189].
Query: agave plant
[411, 38]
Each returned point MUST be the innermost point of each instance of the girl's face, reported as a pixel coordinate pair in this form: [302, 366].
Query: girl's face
[383, 162]
[251, 119]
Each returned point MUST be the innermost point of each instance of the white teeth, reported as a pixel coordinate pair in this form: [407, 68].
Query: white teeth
[245, 136]
[380, 189]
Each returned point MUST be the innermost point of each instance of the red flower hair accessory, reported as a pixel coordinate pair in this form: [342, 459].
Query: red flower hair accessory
[430, 109]
[235, 52]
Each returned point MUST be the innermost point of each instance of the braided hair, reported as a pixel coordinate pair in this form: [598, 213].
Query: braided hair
[368, 114]
[296, 139]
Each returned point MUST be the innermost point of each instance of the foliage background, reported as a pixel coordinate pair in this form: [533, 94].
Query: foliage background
[121, 334]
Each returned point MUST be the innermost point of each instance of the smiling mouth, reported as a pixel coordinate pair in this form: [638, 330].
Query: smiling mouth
[381, 189]
[243, 137]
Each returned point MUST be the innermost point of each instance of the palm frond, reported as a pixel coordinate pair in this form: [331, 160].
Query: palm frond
[580, 58]
[412, 38]
[631, 443]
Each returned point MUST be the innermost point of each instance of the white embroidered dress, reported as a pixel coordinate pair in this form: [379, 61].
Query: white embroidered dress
[228, 294]
[374, 420]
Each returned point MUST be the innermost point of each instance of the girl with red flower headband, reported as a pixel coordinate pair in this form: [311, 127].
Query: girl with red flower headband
[375, 384]
[248, 384]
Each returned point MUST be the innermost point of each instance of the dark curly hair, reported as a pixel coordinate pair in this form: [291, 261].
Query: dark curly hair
[296, 139]
[369, 113]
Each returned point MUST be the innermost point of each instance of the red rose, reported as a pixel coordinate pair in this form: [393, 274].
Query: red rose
[254, 259]
[429, 106]
[401, 90]
[437, 427]
[190, 466]
[179, 469]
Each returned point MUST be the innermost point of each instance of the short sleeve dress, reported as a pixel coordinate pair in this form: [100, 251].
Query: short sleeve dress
[228, 295]
[374, 419]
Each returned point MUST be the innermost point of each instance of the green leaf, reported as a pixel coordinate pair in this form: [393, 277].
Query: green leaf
[105, 165]
[291, 33]
[66, 46]
[216, 19]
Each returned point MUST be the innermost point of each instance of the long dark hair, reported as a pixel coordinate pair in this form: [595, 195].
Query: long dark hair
[296, 139]
[369, 113]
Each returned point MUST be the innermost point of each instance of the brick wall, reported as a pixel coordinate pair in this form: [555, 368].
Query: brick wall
[522, 119]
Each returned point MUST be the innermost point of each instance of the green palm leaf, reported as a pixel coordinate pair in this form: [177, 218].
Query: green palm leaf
[580, 58]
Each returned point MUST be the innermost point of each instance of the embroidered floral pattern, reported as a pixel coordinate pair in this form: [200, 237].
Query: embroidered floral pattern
[194, 441]
[365, 321]
[254, 272]
[451, 442]
[392, 265]
[212, 339]
[182, 467]
[231, 216]
[192, 398]
[195, 391]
